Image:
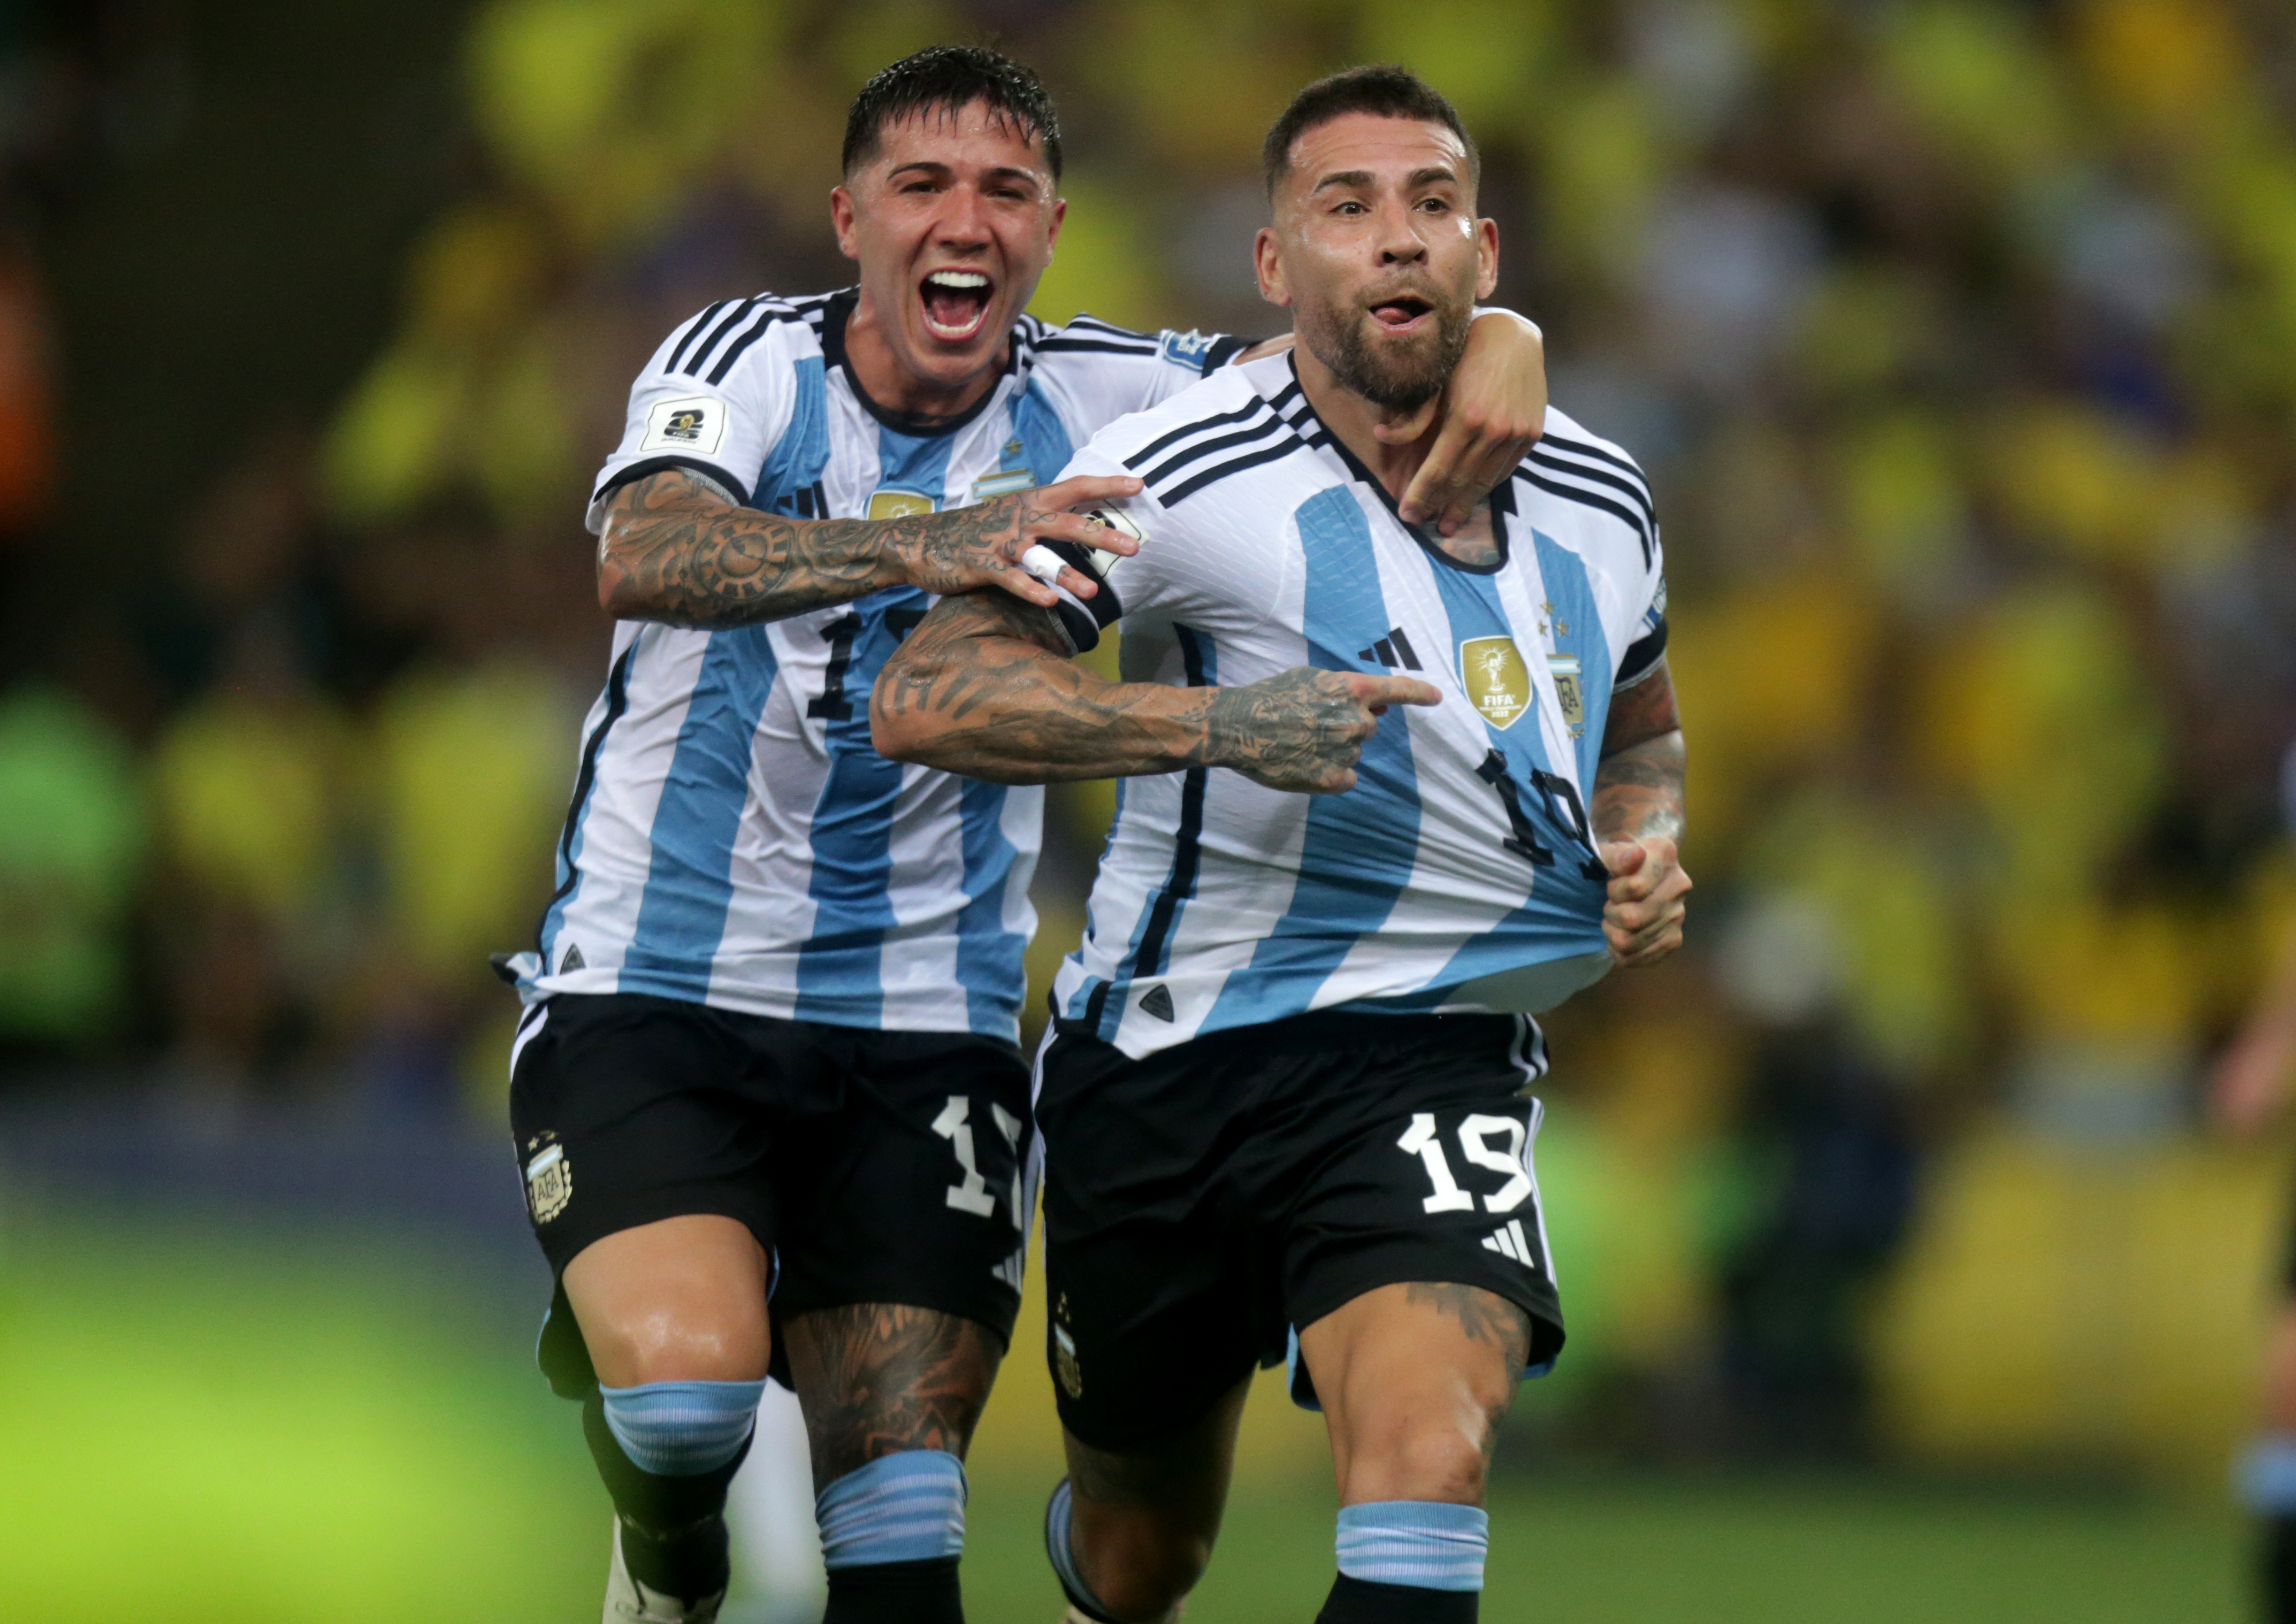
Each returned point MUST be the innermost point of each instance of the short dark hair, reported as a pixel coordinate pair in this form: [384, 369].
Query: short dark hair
[952, 77]
[1387, 90]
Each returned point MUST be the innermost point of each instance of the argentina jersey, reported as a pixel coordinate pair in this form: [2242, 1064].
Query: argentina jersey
[733, 839]
[1460, 873]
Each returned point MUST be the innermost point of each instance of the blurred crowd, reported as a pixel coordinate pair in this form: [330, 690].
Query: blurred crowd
[1958, 338]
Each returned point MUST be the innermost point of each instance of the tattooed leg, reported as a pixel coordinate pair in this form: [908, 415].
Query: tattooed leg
[878, 1377]
[1414, 1381]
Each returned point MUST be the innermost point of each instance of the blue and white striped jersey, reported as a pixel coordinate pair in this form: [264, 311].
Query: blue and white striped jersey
[1459, 873]
[733, 839]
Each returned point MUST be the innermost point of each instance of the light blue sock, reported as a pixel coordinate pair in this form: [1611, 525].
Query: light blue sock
[2266, 1476]
[682, 1429]
[1426, 1543]
[903, 1507]
[1063, 1555]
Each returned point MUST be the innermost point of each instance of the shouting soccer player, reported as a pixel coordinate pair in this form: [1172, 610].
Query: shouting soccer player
[1284, 1100]
[768, 1099]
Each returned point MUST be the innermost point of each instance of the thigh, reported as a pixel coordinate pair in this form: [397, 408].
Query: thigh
[679, 1299]
[1157, 1282]
[910, 1191]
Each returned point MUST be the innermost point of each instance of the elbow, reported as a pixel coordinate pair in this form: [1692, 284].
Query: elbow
[898, 731]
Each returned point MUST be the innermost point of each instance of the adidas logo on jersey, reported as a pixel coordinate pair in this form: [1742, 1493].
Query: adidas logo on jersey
[1511, 1242]
[1157, 1001]
[1393, 651]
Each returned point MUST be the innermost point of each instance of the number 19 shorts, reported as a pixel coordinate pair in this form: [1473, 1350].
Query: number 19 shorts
[1203, 1203]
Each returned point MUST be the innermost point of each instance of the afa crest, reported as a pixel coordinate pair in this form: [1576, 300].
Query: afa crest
[549, 1183]
[1565, 668]
[1497, 680]
[899, 505]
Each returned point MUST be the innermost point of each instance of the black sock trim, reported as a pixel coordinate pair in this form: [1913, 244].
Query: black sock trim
[1362, 1601]
[923, 1592]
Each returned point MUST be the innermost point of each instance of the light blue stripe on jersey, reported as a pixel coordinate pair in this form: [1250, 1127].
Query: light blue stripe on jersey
[1571, 599]
[1040, 433]
[689, 885]
[1360, 848]
[989, 956]
[840, 968]
[796, 462]
[570, 851]
[1563, 913]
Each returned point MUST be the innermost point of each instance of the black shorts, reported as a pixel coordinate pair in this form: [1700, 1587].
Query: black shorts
[1203, 1203]
[876, 1167]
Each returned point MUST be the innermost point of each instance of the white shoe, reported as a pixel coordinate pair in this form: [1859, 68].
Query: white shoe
[629, 1601]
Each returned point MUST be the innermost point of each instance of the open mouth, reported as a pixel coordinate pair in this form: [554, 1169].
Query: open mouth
[956, 302]
[1402, 313]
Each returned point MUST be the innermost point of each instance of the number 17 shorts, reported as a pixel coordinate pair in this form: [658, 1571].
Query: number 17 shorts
[1203, 1203]
[875, 1167]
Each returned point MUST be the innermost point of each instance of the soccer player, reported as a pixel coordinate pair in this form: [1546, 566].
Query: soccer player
[767, 1097]
[2249, 1087]
[1283, 1103]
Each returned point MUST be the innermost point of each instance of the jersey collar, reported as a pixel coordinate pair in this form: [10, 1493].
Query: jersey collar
[917, 426]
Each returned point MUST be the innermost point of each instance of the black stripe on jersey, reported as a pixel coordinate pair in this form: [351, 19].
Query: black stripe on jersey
[717, 334]
[1587, 498]
[1632, 493]
[1580, 448]
[635, 471]
[1180, 493]
[618, 701]
[750, 335]
[1189, 456]
[1147, 453]
[1093, 323]
[1051, 346]
[700, 321]
[1187, 840]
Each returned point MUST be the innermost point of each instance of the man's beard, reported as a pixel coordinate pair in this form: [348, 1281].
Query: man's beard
[1398, 382]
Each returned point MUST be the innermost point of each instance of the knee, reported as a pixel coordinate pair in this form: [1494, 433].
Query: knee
[1446, 1460]
[639, 1349]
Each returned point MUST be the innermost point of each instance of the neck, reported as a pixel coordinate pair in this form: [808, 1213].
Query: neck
[890, 380]
[1355, 420]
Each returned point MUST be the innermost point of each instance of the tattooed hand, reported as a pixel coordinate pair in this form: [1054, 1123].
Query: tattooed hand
[1303, 730]
[1638, 814]
[677, 549]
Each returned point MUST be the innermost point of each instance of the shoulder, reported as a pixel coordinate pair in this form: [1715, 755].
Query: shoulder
[1573, 465]
[742, 335]
[1239, 417]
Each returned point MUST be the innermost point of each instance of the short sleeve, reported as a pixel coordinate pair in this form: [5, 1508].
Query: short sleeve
[1647, 644]
[1101, 372]
[715, 398]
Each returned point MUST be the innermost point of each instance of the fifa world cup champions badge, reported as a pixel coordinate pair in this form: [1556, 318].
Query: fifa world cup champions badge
[1496, 679]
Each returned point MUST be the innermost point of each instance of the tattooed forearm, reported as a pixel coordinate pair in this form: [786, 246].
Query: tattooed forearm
[985, 687]
[1638, 788]
[877, 1378]
[674, 549]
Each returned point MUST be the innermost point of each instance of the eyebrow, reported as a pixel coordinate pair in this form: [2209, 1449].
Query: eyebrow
[932, 167]
[1430, 176]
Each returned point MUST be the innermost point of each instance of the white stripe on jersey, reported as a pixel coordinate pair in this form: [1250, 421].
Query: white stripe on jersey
[735, 838]
[1460, 873]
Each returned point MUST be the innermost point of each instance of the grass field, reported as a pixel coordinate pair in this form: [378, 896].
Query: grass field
[202, 1428]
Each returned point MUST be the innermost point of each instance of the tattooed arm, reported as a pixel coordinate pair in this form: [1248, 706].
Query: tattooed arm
[1638, 814]
[675, 549]
[985, 687]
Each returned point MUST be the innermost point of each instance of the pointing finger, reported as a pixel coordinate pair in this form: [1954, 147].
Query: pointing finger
[1395, 691]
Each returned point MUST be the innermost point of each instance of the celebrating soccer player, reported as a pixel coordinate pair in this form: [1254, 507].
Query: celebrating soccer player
[769, 1104]
[1284, 1103]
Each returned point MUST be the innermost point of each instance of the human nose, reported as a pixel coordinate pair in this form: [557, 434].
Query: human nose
[1399, 242]
[963, 221]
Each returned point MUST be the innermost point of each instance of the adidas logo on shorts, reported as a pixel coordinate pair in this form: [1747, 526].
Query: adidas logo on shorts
[1511, 1242]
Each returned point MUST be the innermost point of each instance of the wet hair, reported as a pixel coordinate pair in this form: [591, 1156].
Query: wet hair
[1388, 91]
[951, 79]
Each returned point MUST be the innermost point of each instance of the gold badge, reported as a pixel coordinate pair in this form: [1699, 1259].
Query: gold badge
[1565, 668]
[1496, 678]
[899, 504]
[549, 1183]
[1064, 1363]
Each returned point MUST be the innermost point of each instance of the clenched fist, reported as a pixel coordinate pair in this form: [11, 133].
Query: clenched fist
[1644, 911]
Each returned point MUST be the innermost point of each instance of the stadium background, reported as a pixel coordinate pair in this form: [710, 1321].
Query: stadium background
[1959, 340]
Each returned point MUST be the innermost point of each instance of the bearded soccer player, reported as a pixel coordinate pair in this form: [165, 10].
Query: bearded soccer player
[1283, 1106]
[766, 1097]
